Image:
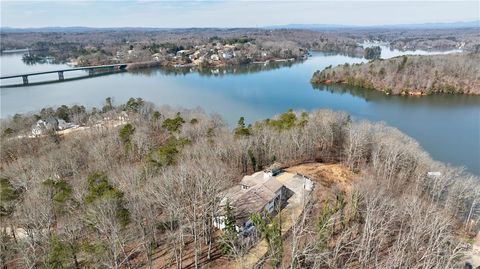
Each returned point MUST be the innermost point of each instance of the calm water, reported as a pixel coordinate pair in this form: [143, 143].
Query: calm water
[388, 52]
[448, 127]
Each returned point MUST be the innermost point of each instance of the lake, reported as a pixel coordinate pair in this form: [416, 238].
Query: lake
[446, 126]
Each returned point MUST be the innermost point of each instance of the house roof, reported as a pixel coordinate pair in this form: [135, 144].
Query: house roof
[272, 184]
[252, 200]
[254, 179]
[247, 204]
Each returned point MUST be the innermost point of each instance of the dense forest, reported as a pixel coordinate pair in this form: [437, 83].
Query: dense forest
[160, 46]
[414, 75]
[423, 39]
[140, 194]
[128, 46]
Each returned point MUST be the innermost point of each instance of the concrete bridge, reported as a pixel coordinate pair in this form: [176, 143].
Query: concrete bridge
[92, 71]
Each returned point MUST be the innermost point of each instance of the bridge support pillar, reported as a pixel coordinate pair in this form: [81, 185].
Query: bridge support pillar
[25, 80]
[91, 71]
[60, 75]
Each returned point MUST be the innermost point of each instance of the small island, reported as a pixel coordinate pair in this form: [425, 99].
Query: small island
[410, 75]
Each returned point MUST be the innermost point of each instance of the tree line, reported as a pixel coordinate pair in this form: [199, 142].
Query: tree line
[116, 197]
[415, 75]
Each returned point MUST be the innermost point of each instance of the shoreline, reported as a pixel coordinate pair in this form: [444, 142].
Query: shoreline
[409, 75]
[417, 93]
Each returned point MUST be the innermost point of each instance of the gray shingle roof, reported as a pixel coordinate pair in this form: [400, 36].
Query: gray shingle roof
[252, 200]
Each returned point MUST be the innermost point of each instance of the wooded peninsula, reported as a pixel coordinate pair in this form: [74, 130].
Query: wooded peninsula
[410, 75]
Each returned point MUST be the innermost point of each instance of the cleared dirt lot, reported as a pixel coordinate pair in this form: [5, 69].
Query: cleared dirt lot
[288, 215]
[327, 178]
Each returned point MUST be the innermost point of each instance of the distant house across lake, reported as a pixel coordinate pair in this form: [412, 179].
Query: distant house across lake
[51, 124]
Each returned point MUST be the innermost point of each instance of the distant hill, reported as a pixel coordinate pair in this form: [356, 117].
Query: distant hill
[83, 29]
[446, 25]
[313, 26]
[73, 29]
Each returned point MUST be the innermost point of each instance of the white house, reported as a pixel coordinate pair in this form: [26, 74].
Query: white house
[43, 126]
[39, 128]
[227, 55]
[214, 57]
[258, 193]
[184, 52]
[53, 124]
[63, 125]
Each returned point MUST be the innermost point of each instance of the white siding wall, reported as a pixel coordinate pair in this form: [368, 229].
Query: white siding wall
[219, 222]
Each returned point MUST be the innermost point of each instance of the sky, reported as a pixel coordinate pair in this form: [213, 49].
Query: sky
[230, 13]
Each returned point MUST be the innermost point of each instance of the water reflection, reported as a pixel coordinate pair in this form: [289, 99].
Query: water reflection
[447, 126]
[444, 101]
[216, 71]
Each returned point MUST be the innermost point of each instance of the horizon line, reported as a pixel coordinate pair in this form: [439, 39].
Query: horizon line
[278, 26]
